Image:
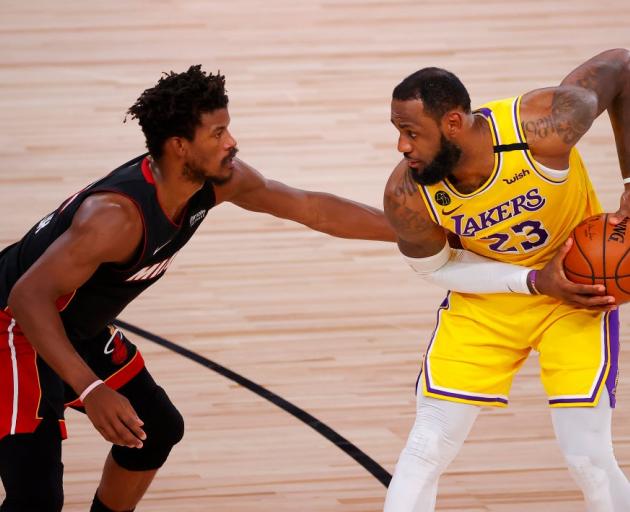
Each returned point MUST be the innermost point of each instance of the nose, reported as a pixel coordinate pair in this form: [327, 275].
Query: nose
[404, 146]
[230, 141]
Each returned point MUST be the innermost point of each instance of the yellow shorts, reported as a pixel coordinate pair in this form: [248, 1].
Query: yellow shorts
[481, 341]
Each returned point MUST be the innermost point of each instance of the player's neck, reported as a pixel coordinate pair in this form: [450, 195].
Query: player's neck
[477, 159]
[173, 189]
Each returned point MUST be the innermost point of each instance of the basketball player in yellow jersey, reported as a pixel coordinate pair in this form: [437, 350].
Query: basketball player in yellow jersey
[507, 180]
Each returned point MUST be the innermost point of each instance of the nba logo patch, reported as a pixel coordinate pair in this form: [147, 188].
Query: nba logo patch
[442, 198]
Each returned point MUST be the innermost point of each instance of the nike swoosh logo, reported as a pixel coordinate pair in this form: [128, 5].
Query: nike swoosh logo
[161, 247]
[448, 212]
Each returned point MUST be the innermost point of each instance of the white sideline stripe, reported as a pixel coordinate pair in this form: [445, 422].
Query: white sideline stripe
[15, 377]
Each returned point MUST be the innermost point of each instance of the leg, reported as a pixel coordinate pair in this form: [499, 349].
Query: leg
[128, 472]
[121, 487]
[435, 439]
[584, 434]
[31, 470]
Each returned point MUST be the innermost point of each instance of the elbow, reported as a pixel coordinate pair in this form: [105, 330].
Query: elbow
[16, 299]
[20, 298]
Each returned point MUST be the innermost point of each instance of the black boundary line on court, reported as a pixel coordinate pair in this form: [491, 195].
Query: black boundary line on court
[373, 467]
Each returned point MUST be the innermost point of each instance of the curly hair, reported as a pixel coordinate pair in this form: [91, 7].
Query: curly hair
[439, 90]
[173, 107]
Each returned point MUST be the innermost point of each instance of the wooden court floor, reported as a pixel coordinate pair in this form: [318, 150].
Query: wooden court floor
[336, 327]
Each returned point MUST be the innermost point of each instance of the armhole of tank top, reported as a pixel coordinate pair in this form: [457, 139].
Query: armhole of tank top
[143, 244]
[426, 198]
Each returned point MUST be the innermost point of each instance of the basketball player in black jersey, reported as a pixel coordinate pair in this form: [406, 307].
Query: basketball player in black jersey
[64, 283]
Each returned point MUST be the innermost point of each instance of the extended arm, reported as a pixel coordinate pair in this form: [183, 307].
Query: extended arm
[106, 228]
[324, 212]
[424, 246]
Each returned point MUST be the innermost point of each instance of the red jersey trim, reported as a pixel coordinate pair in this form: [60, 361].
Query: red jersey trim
[120, 377]
[146, 171]
[148, 176]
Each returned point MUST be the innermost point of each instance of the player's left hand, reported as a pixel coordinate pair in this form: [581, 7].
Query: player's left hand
[552, 281]
[624, 208]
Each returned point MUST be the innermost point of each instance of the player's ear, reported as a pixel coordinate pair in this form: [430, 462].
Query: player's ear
[176, 146]
[452, 123]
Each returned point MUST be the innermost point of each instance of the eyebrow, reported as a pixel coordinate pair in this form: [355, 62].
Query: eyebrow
[404, 124]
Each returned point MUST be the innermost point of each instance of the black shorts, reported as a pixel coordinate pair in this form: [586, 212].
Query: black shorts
[30, 389]
[30, 463]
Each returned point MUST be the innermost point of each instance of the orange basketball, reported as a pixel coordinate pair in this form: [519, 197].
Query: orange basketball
[600, 255]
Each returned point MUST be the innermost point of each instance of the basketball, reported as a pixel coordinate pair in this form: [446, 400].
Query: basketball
[601, 255]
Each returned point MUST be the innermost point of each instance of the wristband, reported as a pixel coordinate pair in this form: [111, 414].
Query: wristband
[90, 388]
[626, 181]
[531, 282]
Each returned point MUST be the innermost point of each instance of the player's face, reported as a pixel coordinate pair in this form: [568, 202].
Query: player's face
[212, 149]
[429, 154]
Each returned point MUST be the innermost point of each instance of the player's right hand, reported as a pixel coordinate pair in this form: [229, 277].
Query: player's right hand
[552, 281]
[114, 417]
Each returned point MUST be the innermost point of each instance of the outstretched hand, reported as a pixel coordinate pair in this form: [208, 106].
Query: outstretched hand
[114, 417]
[552, 281]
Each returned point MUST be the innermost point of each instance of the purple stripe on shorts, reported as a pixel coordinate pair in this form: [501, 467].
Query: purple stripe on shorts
[611, 344]
[613, 374]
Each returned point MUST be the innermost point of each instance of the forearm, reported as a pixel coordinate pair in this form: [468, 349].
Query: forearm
[466, 272]
[619, 113]
[39, 320]
[349, 219]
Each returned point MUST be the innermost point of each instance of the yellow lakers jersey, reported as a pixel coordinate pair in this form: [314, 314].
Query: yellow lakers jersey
[524, 211]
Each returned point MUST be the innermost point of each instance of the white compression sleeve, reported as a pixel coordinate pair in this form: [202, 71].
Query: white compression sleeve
[435, 439]
[584, 435]
[467, 272]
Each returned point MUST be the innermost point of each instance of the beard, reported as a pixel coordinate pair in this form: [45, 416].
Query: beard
[441, 166]
[196, 174]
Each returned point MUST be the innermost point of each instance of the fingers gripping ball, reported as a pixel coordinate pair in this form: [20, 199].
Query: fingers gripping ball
[601, 255]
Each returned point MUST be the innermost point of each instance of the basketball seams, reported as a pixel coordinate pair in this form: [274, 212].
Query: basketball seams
[590, 265]
[595, 242]
[617, 276]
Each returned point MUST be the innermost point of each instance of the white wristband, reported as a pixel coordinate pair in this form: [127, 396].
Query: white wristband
[89, 389]
[626, 180]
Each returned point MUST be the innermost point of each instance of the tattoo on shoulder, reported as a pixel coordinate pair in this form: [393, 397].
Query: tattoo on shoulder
[571, 115]
[403, 216]
[570, 118]
[538, 129]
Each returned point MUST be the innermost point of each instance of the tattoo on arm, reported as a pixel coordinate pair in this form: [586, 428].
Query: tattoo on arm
[571, 116]
[539, 129]
[399, 209]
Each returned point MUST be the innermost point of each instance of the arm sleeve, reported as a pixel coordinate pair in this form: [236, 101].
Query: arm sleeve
[464, 271]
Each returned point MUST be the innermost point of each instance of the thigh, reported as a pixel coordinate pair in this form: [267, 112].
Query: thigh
[28, 386]
[474, 352]
[112, 356]
[579, 351]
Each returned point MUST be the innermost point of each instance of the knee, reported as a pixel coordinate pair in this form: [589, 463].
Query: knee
[430, 448]
[164, 426]
[592, 478]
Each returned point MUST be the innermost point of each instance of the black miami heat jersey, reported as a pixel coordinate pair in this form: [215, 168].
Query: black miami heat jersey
[90, 308]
